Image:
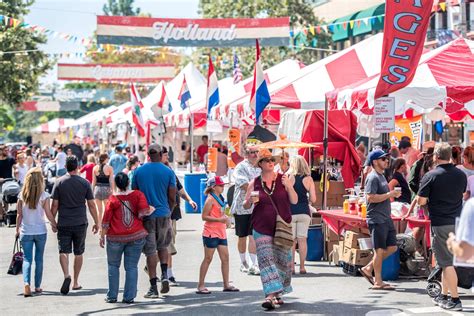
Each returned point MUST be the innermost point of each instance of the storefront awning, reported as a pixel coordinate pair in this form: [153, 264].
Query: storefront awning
[364, 23]
[341, 29]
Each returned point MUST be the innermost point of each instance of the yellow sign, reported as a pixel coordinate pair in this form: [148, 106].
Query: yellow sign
[411, 127]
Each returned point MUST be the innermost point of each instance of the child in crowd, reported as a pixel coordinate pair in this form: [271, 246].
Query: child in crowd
[214, 234]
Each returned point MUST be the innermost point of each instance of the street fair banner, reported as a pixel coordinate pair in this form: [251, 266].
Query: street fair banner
[145, 31]
[405, 28]
[411, 127]
[116, 72]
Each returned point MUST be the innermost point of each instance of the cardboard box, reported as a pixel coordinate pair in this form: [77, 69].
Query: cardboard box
[335, 255]
[316, 219]
[330, 235]
[329, 247]
[360, 257]
[347, 255]
[335, 197]
[350, 239]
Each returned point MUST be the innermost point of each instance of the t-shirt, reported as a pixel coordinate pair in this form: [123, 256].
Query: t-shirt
[244, 172]
[118, 162]
[154, 179]
[34, 221]
[470, 185]
[377, 213]
[201, 151]
[72, 191]
[6, 166]
[88, 168]
[464, 231]
[122, 217]
[61, 160]
[444, 187]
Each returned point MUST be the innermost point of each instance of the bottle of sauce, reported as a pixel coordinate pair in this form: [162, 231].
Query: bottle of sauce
[363, 210]
[345, 206]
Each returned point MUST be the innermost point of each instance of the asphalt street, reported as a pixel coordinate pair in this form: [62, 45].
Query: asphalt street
[325, 290]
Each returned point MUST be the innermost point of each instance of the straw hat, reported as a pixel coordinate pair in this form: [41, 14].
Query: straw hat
[265, 153]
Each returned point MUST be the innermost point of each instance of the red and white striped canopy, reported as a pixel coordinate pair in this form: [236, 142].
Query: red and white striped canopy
[444, 78]
[54, 126]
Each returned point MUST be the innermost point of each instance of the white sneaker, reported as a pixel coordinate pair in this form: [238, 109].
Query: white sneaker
[254, 270]
[244, 267]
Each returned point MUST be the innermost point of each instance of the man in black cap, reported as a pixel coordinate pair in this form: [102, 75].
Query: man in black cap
[158, 183]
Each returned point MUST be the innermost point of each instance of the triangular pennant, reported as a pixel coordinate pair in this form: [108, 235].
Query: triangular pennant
[351, 24]
[358, 23]
[344, 25]
[442, 5]
[318, 29]
[311, 29]
[380, 17]
[325, 28]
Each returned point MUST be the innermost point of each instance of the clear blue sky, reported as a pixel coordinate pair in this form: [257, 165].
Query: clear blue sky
[78, 18]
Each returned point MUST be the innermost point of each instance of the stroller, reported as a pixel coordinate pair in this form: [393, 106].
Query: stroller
[465, 280]
[10, 191]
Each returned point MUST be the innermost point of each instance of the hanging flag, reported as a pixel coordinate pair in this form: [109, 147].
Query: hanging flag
[149, 125]
[237, 71]
[137, 112]
[212, 96]
[184, 94]
[163, 103]
[404, 36]
[259, 98]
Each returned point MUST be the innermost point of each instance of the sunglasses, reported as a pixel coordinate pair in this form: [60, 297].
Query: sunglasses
[383, 158]
[252, 152]
[268, 159]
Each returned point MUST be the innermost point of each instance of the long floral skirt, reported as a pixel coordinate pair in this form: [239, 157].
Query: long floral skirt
[275, 265]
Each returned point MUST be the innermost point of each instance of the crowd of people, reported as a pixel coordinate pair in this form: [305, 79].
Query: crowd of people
[133, 200]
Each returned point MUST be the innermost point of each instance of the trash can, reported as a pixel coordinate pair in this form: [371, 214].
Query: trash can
[192, 183]
[315, 243]
[202, 196]
[391, 267]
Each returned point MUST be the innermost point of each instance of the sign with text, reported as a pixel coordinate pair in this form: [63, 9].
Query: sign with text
[145, 31]
[411, 127]
[116, 72]
[405, 28]
[212, 159]
[213, 127]
[384, 112]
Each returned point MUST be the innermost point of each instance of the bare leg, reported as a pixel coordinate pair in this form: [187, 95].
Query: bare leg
[151, 263]
[100, 210]
[78, 260]
[252, 245]
[451, 281]
[377, 266]
[64, 262]
[208, 254]
[369, 268]
[223, 252]
[242, 245]
[302, 250]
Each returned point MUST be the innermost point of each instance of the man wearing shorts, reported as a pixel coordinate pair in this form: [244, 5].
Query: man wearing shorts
[158, 183]
[70, 194]
[245, 172]
[442, 190]
[379, 220]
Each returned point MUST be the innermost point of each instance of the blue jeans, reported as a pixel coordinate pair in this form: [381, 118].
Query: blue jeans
[27, 243]
[131, 251]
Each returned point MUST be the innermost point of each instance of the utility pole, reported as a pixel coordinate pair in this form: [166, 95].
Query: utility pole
[463, 25]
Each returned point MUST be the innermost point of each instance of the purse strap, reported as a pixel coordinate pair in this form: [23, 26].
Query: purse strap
[126, 206]
[16, 245]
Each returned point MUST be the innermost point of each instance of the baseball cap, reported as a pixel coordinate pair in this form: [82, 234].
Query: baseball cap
[154, 149]
[212, 182]
[376, 154]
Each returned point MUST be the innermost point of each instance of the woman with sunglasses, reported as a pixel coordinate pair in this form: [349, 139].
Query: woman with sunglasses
[271, 193]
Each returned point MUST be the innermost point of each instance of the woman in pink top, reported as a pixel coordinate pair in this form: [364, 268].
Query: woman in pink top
[214, 235]
[87, 168]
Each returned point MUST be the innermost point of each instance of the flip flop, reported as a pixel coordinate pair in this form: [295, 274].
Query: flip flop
[279, 301]
[65, 287]
[268, 304]
[203, 292]
[77, 288]
[386, 287]
[231, 289]
[369, 278]
[303, 272]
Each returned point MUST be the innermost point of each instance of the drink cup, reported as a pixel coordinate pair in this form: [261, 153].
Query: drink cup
[254, 196]
[398, 189]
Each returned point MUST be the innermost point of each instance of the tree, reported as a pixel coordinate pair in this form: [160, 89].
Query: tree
[21, 62]
[120, 7]
[301, 17]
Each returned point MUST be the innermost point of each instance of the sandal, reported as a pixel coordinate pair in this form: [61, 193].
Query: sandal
[231, 289]
[369, 278]
[203, 291]
[279, 301]
[303, 271]
[38, 290]
[268, 304]
[385, 287]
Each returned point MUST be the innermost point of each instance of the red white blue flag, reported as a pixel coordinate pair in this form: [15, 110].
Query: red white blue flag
[137, 112]
[260, 97]
[184, 94]
[212, 96]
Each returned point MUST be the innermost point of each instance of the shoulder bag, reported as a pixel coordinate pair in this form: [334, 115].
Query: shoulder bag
[283, 231]
[17, 260]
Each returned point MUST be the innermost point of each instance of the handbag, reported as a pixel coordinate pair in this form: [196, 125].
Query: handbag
[17, 260]
[283, 231]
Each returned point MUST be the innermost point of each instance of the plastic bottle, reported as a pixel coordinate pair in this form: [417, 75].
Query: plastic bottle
[363, 210]
[345, 206]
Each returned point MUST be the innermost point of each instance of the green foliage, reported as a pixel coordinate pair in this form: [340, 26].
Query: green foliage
[301, 16]
[120, 7]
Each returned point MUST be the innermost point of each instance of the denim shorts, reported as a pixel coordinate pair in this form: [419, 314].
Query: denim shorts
[213, 242]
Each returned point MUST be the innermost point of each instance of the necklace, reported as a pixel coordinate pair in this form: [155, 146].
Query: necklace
[264, 186]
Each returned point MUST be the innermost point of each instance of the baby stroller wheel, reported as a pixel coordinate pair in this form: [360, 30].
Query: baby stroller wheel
[433, 289]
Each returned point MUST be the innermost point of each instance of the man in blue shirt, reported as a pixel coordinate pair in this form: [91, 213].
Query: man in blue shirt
[158, 183]
[118, 161]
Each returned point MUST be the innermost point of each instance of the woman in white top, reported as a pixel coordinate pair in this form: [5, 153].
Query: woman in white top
[60, 162]
[32, 207]
[20, 168]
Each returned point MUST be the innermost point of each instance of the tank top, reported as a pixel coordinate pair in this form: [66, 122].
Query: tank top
[406, 193]
[22, 171]
[215, 229]
[102, 179]
[302, 207]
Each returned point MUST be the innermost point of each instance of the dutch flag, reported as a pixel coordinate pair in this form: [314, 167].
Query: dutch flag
[184, 94]
[259, 98]
[212, 96]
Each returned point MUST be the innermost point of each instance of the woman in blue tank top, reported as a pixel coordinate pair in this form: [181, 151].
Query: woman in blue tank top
[300, 212]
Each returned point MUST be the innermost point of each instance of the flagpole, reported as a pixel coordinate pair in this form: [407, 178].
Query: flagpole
[162, 122]
[191, 135]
